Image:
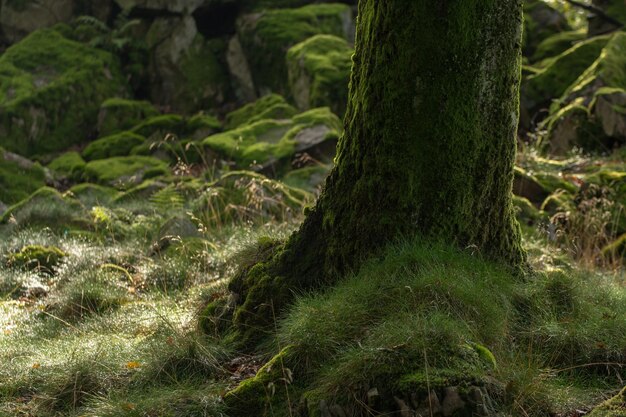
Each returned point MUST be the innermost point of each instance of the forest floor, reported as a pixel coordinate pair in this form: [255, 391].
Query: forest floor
[110, 323]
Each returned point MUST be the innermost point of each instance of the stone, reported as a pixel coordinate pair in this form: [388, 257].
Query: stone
[240, 71]
[172, 6]
[452, 401]
[405, 410]
[18, 19]
[319, 72]
[430, 405]
[186, 71]
[56, 86]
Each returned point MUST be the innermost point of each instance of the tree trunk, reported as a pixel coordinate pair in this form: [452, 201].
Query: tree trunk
[428, 148]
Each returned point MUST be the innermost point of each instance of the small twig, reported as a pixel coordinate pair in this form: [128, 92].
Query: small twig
[597, 11]
[591, 364]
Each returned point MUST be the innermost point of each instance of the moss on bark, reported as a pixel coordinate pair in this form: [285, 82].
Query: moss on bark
[428, 149]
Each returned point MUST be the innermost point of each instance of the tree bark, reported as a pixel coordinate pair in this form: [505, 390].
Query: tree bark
[428, 148]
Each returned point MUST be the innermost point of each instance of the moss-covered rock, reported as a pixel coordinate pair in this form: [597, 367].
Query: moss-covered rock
[119, 114]
[319, 72]
[187, 72]
[119, 144]
[157, 127]
[271, 385]
[93, 194]
[540, 22]
[243, 196]
[36, 257]
[559, 74]
[265, 38]
[51, 89]
[269, 141]
[18, 18]
[592, 112]
[557, 44]
[70, 165]
[271, 106]
[46, 207]
[18, 177]
[124, 170]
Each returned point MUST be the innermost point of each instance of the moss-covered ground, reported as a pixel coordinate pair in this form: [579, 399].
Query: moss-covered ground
[121, 234]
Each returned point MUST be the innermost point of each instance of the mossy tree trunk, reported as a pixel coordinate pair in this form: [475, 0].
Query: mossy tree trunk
[428, 148]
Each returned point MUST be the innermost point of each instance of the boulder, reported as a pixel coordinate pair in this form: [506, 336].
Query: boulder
[187, 72]
[591, 114]
[19, 18]
[124, 171]
[263, 145]
[164, 6]
[271, 106]
[119, 144]
[53, 89]
[69, 164]
[319, 72]
[118, 114]
[19, 177]
[266, 36]
[538, 90]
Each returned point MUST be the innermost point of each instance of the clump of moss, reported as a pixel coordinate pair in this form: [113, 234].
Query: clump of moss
[270, 386]
[36, 257]
[160, 126]
[51, 88]
[552, 81]
[18, 181]
[557, 44]
[93, 194]
[265, 38]
[590, 114]
[613, 407]
[119, 144]
[46, 207]
[119, 114]
[319, 71]
[271, 106]
[122, 168]
[70, 164]
[270, 140]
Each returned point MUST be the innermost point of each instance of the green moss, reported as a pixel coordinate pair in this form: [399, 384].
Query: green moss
[266, 37]
[160, 126]
[70, 164]
[271, 106]
[269, 140]
[46, 207]
[201, 123]
[121, 168]
[615, 406]
[93, 194]
[18, 181]
[319, 70]
[119, 144]
[119, 114]
[242, 196]
[308, 178]
[561, 72]
[382, 145]
[576, 119]
[204, 83]
[255, 396]
[36, 257]
[557, 44]
[50, 89]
